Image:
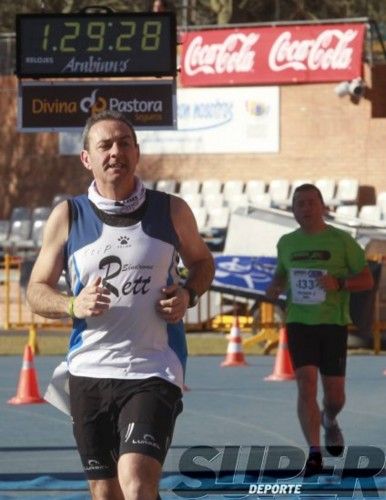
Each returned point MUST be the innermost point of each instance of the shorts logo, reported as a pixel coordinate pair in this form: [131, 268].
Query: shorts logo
[148, 440]
[94, 465]
[129, 431]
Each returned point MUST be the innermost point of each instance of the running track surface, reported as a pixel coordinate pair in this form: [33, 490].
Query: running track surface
[232, 406]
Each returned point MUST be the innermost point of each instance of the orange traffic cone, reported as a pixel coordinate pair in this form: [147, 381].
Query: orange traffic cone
[283, 369]
[235, 355]
[27, 389]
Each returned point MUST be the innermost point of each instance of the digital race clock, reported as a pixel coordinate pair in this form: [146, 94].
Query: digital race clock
[95, 45]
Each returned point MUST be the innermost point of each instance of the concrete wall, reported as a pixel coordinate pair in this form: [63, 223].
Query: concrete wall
[321, 135]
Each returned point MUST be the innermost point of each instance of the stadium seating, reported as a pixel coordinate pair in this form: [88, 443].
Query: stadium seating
[327, 187]
[192, 199]
[148, 184]
[212, 200]
[254, 187]
[371, 215]
[262, 200]
[58, 198]
[381, 202]
[346, 213]
[41, 213]
[232, 188]
[201, 216]
[346, 192]
[166, 185]
[279, 190]
[189, 186]
[237, 200]
[211, 186]
[20, 213]
[4, 230]
[37, 232]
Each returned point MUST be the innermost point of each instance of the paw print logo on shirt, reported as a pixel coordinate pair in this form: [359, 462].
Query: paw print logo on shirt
[123, 240]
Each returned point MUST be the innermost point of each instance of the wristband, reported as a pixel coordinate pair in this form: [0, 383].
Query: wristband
[193, 296]
[71, 308]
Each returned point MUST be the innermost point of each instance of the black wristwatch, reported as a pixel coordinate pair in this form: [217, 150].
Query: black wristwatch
[193, 296]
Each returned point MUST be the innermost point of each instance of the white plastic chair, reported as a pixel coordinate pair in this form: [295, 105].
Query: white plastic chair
[41, 213]
[219, 218]
[327, 187]
[347, 191]
[370, 214]
[232, 188]
[58, 198]
[278, 189]
[201, 216]
[262, 200]
[237, 200]
[189, 186]
[148, 184]
[37, 232]
[346, 213]
[166, 185]
[381, 202]
[194, 200]
[20, 232]
[212, 200]
[211, 186]
[4, 229]
[254, 187]
[20, 213]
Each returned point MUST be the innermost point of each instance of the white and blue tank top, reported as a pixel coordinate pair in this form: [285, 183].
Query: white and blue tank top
[135, 261]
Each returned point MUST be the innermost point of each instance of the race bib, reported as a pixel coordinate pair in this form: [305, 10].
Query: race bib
[305, 288]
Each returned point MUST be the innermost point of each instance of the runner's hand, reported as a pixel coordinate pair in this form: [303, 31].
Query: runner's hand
[93, 300]
[173, 304]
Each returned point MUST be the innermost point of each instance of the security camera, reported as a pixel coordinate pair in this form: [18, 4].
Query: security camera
[342, 89]
[356, 87]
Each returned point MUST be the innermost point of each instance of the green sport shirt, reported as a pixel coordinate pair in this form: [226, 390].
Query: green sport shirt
[302, 257]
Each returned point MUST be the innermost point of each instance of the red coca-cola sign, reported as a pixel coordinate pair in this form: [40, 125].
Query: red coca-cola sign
[282, 54]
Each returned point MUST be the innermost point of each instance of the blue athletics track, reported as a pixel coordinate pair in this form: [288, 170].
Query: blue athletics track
[238, 437]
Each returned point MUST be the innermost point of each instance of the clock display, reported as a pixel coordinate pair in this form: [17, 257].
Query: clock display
[94, 45]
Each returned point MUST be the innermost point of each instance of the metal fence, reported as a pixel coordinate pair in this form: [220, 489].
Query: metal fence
[259, 321]
[215, 311]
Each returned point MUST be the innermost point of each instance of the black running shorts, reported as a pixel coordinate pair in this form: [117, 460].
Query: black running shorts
[112, 417]
[324, 346]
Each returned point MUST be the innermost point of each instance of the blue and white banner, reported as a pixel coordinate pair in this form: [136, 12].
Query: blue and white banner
[220, 120]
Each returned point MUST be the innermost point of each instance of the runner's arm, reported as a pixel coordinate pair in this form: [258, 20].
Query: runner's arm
[42, 295]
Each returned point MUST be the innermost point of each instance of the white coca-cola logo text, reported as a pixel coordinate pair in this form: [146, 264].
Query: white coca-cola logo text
[233, 55]
[320, 53]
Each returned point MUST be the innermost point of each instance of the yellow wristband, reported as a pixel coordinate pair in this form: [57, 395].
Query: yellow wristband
[71, 308]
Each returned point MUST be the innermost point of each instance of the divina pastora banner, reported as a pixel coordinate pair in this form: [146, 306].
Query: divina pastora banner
[65, 106]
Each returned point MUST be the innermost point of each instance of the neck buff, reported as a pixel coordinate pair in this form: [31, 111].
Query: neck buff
[132, 203]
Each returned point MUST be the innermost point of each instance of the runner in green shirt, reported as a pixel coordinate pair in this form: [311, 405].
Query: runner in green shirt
[318, 266]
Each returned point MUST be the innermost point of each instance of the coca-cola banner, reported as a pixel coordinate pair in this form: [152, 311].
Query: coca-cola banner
[272, 55]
